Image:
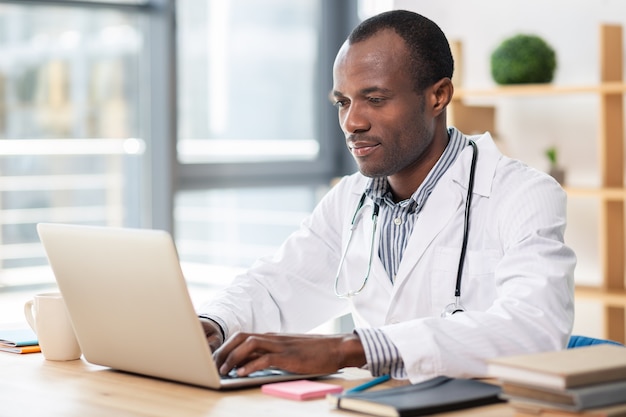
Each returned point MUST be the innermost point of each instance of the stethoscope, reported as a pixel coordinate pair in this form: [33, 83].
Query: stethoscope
[450, 309]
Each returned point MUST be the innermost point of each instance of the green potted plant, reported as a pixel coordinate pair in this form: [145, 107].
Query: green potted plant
[523, 59]
[556, 171]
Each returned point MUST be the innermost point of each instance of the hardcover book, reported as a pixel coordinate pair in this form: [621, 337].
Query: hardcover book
[435, 395]
[523, 409]
[580, 398]
[563, 369]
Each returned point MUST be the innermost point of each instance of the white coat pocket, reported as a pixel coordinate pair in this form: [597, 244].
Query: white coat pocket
[477, 283]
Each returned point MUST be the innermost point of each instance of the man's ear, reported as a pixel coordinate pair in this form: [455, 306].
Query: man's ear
[442, 92]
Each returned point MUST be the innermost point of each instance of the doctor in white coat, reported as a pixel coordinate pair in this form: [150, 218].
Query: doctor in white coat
[515, 292]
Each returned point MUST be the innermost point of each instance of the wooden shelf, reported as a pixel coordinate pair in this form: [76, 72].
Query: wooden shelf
[606, 297]
[614, 305]
[611, 194]
[533, 90]
[607, 194]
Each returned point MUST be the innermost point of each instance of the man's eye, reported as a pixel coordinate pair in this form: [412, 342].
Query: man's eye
[375, 100]
[339, 103]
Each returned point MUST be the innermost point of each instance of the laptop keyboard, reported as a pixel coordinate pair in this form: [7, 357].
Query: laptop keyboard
[264, 372]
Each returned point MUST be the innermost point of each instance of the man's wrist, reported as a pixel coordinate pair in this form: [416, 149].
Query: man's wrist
[215, 324]
[351, 352]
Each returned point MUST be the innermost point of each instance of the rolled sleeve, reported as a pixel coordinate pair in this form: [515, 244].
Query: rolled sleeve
[382, 355]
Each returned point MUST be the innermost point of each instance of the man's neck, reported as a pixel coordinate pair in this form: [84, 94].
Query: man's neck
[404, 184]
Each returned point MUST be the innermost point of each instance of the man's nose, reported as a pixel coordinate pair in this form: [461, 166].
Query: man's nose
[355, 120]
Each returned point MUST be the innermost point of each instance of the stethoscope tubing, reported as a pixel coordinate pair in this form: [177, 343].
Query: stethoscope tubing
[454, 307]
[468, 203]
[375, 211]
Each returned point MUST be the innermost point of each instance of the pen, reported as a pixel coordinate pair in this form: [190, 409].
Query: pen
[368, 384]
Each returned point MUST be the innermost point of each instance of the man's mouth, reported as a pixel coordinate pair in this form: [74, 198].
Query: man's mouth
[361, 149]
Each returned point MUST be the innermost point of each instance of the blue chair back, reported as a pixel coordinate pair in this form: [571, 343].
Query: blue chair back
[580, 341]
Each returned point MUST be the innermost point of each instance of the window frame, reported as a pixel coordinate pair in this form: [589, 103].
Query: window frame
[331, 161]
[159, 95]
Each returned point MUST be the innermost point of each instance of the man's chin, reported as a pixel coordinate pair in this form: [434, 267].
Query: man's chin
[371, 173]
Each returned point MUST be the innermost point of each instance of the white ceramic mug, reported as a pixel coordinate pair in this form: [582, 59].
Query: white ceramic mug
[47, 316]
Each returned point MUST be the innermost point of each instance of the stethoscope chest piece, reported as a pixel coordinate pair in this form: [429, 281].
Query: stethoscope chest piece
[453, 308]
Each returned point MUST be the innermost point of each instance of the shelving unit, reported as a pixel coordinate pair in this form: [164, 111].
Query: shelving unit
[612, 194]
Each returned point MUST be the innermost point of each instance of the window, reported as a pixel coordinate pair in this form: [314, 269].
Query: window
[247, 80]
[256, 133]
[72, 145]
[95, 128]
[233, 227]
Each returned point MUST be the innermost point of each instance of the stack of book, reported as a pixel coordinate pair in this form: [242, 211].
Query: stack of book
[585, 381]
[18, 341]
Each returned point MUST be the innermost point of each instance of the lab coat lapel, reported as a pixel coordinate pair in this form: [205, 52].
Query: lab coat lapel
[446, 199]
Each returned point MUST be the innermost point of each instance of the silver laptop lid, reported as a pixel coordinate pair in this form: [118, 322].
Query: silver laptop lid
[128, 301]
[130, 307]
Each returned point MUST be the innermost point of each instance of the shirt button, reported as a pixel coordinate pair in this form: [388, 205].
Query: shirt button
[397, 221]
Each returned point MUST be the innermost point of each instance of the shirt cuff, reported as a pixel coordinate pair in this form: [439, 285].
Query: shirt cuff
[220, 323]
[382, 355]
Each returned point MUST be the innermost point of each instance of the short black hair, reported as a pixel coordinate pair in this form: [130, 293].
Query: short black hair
[430, 58]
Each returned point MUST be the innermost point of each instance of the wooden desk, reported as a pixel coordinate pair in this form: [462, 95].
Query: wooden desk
[33, 386]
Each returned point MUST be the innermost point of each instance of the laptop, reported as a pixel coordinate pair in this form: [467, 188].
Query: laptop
[129, 304]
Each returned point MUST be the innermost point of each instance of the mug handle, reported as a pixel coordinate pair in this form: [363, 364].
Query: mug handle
[28, 313]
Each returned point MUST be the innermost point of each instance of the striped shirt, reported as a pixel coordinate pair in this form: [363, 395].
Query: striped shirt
[396, 225]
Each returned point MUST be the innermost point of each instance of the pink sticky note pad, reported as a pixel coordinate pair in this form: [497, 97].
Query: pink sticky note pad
[300, 390]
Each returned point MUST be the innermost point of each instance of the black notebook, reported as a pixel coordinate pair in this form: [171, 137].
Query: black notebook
[435, 395]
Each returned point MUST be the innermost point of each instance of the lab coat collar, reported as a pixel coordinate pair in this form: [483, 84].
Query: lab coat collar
[448, 198]
[488, 157]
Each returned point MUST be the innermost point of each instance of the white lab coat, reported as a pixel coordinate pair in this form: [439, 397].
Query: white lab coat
[517, 284]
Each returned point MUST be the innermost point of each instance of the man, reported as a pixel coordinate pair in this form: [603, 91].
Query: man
[391, 88]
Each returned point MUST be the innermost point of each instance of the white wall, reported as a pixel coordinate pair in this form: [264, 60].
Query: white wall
[527, 126]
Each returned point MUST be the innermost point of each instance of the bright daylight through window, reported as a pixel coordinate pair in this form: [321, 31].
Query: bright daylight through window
[71, 146]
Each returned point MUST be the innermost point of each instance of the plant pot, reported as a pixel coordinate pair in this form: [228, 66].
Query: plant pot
[558, 174]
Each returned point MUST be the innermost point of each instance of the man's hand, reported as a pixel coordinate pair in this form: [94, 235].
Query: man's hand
[302, 354]
[213, 333]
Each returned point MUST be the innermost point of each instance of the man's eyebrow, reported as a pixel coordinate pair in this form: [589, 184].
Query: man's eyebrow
[375, 89]
[363, 92]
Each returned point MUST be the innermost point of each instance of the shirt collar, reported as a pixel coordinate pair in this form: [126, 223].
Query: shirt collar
[378, 187]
